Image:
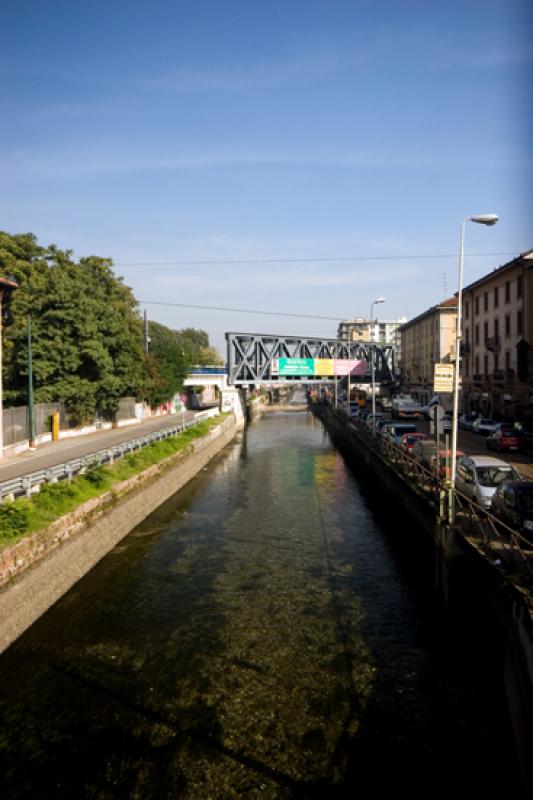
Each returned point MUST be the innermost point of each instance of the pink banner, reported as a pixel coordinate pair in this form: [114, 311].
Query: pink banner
[345, 366]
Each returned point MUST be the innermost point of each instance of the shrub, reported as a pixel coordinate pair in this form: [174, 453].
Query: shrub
[14, 519]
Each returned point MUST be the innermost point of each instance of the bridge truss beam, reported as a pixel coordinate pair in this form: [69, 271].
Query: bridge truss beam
[251, 355]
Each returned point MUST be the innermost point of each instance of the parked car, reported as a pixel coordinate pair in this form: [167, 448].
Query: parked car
[424, 450]
[408, 440]
[445, 459]
[505, 437]
[513, 504]
[466, 421]
[371, 417]
[395, 432]
[484, 426]
[478, 477]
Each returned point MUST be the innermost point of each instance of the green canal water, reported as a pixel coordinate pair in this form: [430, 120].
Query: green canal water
[267, 633]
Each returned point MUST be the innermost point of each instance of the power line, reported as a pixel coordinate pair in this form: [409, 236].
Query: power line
[237, 310]
[303, 260]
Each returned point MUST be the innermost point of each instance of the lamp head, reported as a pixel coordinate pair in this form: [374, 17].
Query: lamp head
[485, 219]
[379, 300]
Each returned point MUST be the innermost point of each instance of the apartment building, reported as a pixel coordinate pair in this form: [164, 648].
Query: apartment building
[497, 351]
[427, 340]
[364, 330]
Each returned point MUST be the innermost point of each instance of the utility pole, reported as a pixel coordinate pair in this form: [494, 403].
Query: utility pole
[31, 420]
[6, 286]
[146, 337]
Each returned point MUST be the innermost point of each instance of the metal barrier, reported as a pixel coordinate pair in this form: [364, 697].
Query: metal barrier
[500, 542]
[28, 484]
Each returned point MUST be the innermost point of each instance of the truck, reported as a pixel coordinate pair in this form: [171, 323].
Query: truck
[405, 407]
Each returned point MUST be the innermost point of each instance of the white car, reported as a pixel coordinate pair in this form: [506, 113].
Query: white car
[484, 426]
[478, 477]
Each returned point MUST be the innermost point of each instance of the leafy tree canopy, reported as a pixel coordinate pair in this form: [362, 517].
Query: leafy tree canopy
[87, 334]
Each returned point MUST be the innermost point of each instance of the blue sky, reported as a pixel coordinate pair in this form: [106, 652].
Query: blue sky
[164, 132]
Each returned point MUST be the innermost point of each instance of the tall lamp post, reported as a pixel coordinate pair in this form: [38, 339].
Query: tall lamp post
[373, 358]
[481, 219]
[6, 286]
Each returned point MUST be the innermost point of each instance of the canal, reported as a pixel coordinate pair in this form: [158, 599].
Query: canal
[271, 631]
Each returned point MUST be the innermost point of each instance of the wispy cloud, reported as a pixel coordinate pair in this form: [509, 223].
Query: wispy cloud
[87, 162]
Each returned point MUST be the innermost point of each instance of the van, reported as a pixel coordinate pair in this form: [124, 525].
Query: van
[478, 477]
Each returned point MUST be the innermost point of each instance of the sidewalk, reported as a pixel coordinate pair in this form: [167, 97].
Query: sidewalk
[52, 453]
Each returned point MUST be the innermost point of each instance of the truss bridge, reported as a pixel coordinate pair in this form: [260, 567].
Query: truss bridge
[256, 358]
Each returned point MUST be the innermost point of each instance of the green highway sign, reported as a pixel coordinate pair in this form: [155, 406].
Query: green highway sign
[296, 366]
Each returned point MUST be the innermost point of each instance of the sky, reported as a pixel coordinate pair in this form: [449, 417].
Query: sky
[290, 156]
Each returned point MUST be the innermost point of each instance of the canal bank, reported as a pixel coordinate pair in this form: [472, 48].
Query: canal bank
[484, 601]
[264, 633]
[38, 570]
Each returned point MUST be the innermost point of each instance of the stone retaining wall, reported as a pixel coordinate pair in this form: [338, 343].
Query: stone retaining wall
[37, 571]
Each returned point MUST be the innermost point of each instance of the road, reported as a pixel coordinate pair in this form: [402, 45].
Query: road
[474, 444]
[52, 453]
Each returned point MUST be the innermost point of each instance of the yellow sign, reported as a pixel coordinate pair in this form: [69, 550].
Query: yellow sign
[443, 378]
[324, 366]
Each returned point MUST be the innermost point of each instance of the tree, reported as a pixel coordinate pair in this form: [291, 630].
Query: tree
[86, 329]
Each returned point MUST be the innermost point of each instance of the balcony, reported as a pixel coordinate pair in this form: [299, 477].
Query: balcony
[493, 344]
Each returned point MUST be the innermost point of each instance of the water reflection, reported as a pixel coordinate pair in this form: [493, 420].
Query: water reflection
[255, 637]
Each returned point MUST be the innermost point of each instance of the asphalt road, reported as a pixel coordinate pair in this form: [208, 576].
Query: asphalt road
[474, 444]
[52, 453]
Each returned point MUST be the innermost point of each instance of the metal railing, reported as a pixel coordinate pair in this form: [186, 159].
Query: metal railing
[497, 540]
[29, 484]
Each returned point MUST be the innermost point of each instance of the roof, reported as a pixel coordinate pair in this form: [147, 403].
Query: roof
[487, 461]
[6, 283]
[446, 305]
[526, 256]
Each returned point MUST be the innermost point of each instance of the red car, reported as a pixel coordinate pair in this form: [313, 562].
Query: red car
[408, 440]
[505, 437]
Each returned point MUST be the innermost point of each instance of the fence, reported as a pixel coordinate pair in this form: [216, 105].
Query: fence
[16, 420]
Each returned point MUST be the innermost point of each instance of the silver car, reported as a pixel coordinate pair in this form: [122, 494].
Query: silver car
[478, 477]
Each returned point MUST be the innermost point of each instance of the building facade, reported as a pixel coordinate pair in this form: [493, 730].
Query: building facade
[497, 350]
[427, 340]
[363, 330]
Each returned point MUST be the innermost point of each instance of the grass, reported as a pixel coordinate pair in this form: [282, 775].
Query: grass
[24, 516]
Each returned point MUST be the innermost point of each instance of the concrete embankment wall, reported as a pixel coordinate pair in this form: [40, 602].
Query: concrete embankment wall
[482, 599]
[40, 569]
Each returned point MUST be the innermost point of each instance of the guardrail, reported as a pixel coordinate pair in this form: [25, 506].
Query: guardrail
[29, 484]
[500, 542]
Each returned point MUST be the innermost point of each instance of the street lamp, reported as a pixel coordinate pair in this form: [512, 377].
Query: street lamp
[481, 219]
[379, 300]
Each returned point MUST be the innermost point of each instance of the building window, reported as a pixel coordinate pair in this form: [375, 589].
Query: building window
[486, 301]
[477, 365]
[496, 362]
[485, 332]
[486, 365]
[507, 359]
[467, 335]
[476, 334]
[507, 292]
[507, 325]
[519, 286]
[496, 297]
[467, 368]
[519, 323]
[467, 310]
[477, 305]
[496, 330]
